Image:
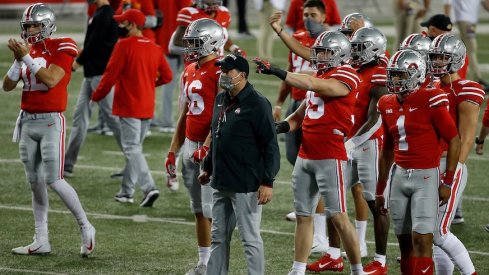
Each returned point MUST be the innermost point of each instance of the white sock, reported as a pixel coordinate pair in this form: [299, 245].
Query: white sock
[204, 254]
[299, 267]
[319, 226]
[380, 258]
[334, 252]
[71, 200]
[443, 264]
[356, 269]
[361, 228]
[40, 205]
[458, 253]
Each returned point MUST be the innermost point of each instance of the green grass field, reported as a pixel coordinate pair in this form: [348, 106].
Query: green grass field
[160, 240]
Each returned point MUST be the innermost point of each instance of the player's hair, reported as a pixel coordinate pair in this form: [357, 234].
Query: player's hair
[316, 4]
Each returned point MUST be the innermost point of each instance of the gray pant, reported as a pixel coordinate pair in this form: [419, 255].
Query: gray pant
[133, 131]
[230, 209]
[81, 119]
[166, 116]
[293, 139]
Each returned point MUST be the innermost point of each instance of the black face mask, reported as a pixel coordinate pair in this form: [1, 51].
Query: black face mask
[123, 31]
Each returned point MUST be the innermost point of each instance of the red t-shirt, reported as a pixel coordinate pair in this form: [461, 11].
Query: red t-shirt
[189, 14]
[459, 91]
[37, 97]
[146, 7]
[200, 86]
[170, 10]
[136, 66]
[413, 128]
[295, 18]
[328, 120]
[371, 76]
[299, 64]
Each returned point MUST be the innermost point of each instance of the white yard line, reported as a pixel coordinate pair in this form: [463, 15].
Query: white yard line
[8, 269]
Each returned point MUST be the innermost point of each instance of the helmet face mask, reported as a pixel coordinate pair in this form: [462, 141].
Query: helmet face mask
[202, 38]
[446, 54]
[330, 50]
[346, 27]
[37, 14]
[367, 45]
[406, 72]
[208, 5]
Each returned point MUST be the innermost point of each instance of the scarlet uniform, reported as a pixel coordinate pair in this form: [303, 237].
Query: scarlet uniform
[296, 21]
[37, 97]
[485, 118]
[329, 119]
[413, 128]
[298, 64]
[189, 14]
[200, 87]
[372, 76]
[170, 10]
[145, 6]
[134, 95]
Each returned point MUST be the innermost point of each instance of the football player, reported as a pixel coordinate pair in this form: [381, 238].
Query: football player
[44, 66]
[314, 13]
[322, 157]
[414, 119]
[203, 39]
[447, 53]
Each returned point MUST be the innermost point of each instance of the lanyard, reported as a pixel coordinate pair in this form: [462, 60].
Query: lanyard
[222, 114]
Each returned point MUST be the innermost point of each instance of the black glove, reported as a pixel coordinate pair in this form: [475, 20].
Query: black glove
[282, 127]
[264, 67]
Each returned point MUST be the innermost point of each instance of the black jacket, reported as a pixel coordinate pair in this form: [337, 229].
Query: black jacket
[244, 150]
[101, 36]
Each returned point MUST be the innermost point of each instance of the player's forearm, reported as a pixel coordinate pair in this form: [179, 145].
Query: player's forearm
[294, 45]
[179, 135]
[295, 119]
[385, 162]
[453, 153]
[283, 92]
[8, 84]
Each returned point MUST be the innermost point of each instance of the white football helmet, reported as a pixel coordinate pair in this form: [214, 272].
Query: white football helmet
[446, 54]
[346, 28]
[208, 5]
[202, 38]
[417, 42]
[38, 14]
[367, 45]
[331, 49]
[406, 71]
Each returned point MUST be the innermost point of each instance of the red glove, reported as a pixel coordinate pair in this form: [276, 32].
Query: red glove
[170, 164]
[448, 178]
[200, 154]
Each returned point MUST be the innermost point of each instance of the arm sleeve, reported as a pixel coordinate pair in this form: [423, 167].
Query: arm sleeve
[267, 141]
[111, 73]
[443, 123]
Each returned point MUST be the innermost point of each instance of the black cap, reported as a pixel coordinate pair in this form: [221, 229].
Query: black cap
[439, 21]
[237, 62]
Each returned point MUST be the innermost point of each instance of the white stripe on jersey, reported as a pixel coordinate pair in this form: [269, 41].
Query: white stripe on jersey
[346, 76]
[69, 48]
[437, 96]
[474, 89]
[350, 73]
[379, 75]
[184, 20]
[470, 93]
[67, 44]
[185, 16]
[439, 101]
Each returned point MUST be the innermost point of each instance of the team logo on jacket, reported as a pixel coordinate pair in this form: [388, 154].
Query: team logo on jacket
[237, 111]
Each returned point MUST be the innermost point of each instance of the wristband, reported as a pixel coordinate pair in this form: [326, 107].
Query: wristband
[279, 32]
[448, 179]
[14, 71]
[282, 74]
[446, 185]
[32, 65]
[276, 106]
[478, 141]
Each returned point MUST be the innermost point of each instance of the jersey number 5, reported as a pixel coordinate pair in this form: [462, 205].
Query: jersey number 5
[196, 102]
[315, 106]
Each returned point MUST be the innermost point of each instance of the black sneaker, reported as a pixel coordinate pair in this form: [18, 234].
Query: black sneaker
[124, 198]
[150, 198]
[487, 227]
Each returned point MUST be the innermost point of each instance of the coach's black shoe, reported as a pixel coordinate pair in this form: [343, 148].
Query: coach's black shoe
[487, 227]
[124, 198]
[150, 198]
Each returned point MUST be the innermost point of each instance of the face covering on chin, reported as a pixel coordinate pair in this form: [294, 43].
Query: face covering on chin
[123, 31]
[314, 28]
[225, 82]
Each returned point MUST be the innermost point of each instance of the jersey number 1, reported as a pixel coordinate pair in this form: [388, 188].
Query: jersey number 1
[403, 145]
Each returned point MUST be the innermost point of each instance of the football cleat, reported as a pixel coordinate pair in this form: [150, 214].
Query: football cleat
[375, 268]
[87, 240]
[150, 198]
[199, 269]
[38, 247]
[326, 263]
[291, 217]
[172, 183]
[124, 198]
[319, 245]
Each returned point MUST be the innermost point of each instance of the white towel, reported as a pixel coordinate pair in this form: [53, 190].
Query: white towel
[18, 128]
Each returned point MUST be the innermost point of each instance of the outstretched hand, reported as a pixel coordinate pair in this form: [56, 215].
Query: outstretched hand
[275, 20]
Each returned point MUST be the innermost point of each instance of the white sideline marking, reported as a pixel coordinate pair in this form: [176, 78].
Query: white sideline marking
[29, 271]
[119, 153]
[145, 218]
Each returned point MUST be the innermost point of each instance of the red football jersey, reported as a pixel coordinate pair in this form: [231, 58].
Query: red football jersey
[413, 128]
[200, 85]
[329, 119]
[485, 118]
[37, 97]
[189, 14]
[371, 76]
[170, 10]
[299, 64]
[295, 19]
[459, 91]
